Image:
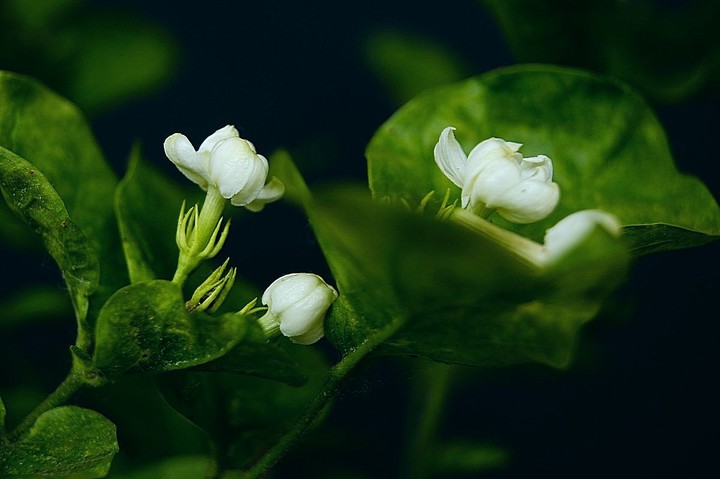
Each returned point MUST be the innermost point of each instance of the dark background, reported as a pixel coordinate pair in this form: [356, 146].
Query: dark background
[640, 400]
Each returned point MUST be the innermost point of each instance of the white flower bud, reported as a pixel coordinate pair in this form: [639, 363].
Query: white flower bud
[495, 177]
[297, 304]
[574, 228]
[228, 163]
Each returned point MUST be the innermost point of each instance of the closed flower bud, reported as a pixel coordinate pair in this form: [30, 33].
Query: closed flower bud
[574, 229]
[297, 304]
[496, 177]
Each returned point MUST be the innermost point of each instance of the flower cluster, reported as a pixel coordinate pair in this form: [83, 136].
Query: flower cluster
[228, 167]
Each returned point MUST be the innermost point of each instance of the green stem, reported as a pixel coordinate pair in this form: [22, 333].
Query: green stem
[70, 385]
[430, 392]
[333, 384]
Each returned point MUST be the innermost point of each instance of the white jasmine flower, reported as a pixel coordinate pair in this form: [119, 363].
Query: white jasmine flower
[496, 177]
[227, 163]
[297, 304]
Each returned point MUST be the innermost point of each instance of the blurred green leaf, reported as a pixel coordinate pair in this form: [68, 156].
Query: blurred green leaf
[183, 467]
[65, 442]
[116, 57]
[33, 198]
[244, 415]
[456, 458]
[463, 298]
[2, 419]
[669, 52]
[147, 205]
[35, 303]
[145, 327]
[608, 149]
[97, 57]
[407, 63]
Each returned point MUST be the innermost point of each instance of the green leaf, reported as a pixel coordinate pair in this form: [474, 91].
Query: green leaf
[33, 304]
[32, 197]
[244, 415]
[64, 443]
[147, 205]
[461, 297]
[466, 457]
[145, 327]
[407, 64]
[668, 53]
[116, 57]
[3, 412]
[607, 147]
[183, 467]
[51, 134]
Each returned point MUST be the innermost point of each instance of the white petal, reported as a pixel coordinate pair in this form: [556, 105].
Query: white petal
[182, 153]
[528, 201]
[450, 156]
[538, 167]
[237, 170]
[272, 191]
[228, 131]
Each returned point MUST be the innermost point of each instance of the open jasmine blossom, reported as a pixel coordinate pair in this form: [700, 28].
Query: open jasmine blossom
[228, 163]
[496, 177]
[297, 304]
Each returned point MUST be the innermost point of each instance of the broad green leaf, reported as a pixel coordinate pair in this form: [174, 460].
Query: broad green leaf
[145, 327]
[51, 134]
[147, 205]
[407, 64]
[460, 297]
[607, 147]
[66, 442]
[462, 458]
[182, 467]
[244, 415]
[668, 53]
[33, 198]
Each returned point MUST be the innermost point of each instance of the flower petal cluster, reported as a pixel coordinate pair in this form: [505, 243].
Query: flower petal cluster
[228, 163]
[297, 303]
[496, 177]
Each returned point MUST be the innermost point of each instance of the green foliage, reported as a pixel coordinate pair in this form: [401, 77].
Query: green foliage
[66, 442]
[31, 196]
[148, 234]
[608, 149]
[145, 327]
[462, 298]
[408, 64]
[668, 52]
[244, 415]
[185, 467]
[97, 58]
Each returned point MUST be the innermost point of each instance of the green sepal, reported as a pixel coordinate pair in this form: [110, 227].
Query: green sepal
[66, 442]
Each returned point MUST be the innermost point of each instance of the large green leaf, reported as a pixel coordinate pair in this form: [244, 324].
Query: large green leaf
[51, 134]
[608, 150]
[31, 196]
[145, 327]
[460, 297]
[182, 467]
[147, 205]
[64, 443]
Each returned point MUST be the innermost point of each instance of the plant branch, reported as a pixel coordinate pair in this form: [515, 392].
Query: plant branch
[317, 406]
